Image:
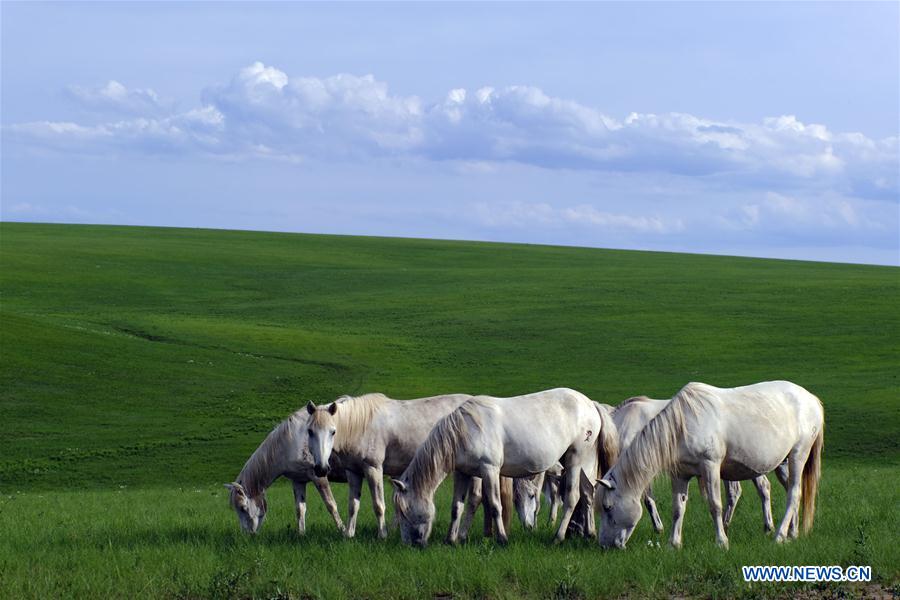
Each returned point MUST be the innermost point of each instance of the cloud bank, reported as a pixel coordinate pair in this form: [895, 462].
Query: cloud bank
[510, 163]
[263, 112]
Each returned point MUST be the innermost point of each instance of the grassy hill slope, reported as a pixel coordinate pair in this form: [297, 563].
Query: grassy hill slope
[159, 358]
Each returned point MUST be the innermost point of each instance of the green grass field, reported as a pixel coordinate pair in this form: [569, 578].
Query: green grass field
[139, 367]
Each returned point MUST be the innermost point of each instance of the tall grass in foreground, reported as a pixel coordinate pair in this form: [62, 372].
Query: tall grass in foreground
[186, 543]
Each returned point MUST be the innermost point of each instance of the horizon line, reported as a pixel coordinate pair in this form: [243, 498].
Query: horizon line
[456, 240]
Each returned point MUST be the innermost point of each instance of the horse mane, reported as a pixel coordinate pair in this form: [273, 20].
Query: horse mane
[353, 418]
[437, 454]
[257, 473]
[607, 439]
[633, 400]
[655, 448]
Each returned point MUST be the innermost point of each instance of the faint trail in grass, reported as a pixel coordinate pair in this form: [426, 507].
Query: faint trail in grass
[137, 333]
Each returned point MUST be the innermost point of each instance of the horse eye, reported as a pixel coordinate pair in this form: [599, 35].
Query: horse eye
[332, 432]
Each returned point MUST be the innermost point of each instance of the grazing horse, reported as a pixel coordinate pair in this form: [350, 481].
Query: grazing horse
[713, 433]
[514, 437]
[373, 435]
[527, 495]
[632, 415]
[283, 453]
[527, 498]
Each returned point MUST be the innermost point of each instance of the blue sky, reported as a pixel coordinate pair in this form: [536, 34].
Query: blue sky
[754, 129]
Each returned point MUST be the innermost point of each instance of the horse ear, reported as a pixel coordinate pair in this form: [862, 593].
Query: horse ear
[310, 407]
[398, 483]
[608, 484]
[587, 486]
[235, 486]
[333, 408]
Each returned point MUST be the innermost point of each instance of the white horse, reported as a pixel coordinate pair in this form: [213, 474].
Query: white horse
[514, 437]
[712, 433]
[527, 495]
[283, 453]
[632, 415]
[373, 435]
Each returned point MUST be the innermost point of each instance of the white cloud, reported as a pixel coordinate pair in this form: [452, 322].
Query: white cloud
[117, 99]
[531, 214]
[780, 212]
[643, 224]
[343, 115]
[264, 112]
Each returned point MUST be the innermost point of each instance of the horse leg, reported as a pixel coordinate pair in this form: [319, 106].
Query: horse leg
[538, 486]
[552, 492]
[473, 501]
[764, 489]
[782, 473]
[733, 491]
[679, 503]
[650, 503]
[570, 492]
[493, 502]
[375, 479]
[461, 485]
[488, 526]
[328, 498]
[354, 491]
[588, 501]
[300, 502]
[794, 481]
[713, 486]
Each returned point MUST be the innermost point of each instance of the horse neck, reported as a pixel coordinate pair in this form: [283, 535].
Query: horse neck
[426, 484]
[267, 463]
[653, 450]
[435, 458]
[353, 421]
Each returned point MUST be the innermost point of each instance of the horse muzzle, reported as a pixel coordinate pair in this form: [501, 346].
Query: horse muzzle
[321, 471]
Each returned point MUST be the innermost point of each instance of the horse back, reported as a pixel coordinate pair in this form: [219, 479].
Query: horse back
[756, 426]
[403, 425]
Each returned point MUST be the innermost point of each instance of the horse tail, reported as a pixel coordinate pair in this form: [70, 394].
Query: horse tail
[812, 471]
[607, 442]
[506, 501]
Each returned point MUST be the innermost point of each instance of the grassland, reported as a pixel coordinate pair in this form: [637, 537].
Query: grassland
[139, 367]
